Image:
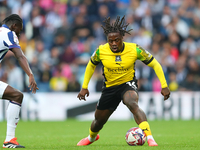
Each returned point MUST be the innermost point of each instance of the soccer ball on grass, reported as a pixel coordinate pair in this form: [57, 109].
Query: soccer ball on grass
[135, 136]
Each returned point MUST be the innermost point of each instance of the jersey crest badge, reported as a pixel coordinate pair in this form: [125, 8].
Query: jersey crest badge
[118, 58]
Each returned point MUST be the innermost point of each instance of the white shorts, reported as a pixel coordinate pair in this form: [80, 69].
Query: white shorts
[3, 87]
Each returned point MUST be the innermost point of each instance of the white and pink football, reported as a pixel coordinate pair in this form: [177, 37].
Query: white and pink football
[135, 136]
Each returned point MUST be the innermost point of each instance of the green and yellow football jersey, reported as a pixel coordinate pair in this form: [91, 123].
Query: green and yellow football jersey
[119, 67]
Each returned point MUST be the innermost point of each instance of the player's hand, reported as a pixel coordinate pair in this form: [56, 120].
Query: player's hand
[32, 84]
[165, 92]
[82, 93]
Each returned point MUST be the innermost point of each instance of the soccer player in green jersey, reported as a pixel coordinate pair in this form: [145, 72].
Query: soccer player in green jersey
[118, 59]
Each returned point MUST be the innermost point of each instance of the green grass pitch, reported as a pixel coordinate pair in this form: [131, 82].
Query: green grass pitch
[170, 135]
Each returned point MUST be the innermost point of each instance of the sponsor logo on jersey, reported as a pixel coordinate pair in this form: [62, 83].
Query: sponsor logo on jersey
[118, 70]
[118, 58]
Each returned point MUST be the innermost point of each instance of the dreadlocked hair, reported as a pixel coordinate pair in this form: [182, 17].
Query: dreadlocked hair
[118, 26]
[14, 18]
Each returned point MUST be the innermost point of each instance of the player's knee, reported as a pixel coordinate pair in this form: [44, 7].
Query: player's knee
[19, 97]
[130, 99]
[132, 105]
[131, 102]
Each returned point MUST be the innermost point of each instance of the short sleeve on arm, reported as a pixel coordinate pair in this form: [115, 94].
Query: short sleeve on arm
[13, 41]
[143, 55]
[95, 58]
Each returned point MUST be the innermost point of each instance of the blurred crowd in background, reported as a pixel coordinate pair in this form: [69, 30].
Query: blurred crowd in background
[59, 36]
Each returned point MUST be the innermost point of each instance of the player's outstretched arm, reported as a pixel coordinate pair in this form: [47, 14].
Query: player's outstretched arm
[160, 74]
[25, 66]
[82, 93]
[88, 74]
[149, 60]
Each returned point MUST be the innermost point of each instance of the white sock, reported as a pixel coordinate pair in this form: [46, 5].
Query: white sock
[12, 119]
[150, 137]
[91, 139]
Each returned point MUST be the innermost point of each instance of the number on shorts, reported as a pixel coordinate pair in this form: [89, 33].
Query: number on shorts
[132, 84]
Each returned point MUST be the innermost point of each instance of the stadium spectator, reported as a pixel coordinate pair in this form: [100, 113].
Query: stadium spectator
[44, 77]
[34, 26]
[195, 28]
[181, 70]
[189, 84]
[42, 54]
[58, 83]
[73, 85]
[173, 84]
[188, 47]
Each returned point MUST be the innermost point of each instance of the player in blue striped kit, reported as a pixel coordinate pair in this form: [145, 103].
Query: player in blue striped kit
[9, 33]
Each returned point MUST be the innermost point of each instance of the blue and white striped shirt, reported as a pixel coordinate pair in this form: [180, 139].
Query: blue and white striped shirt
[8, 40]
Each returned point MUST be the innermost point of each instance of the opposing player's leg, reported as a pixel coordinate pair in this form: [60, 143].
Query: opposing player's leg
[101, 117]
[15, 97]
[130, 99]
